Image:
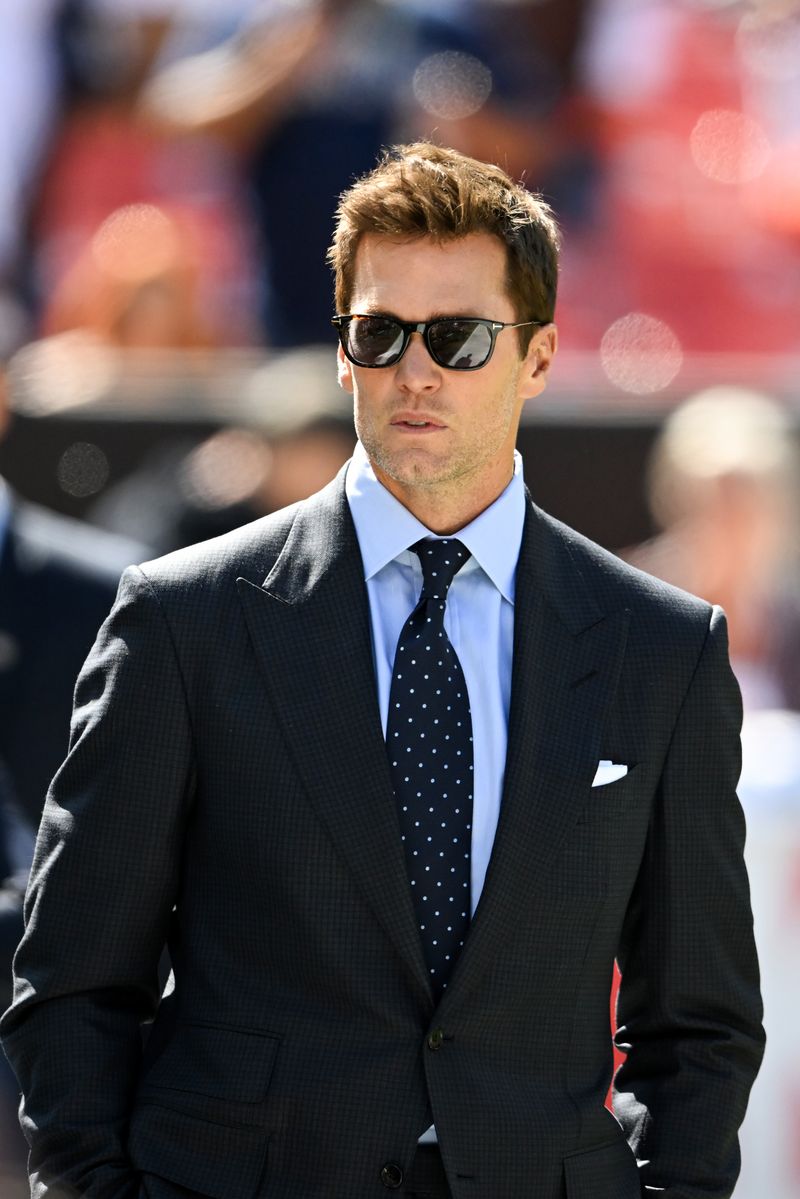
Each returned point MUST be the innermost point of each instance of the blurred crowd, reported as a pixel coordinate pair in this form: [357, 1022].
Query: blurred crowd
[169, 171]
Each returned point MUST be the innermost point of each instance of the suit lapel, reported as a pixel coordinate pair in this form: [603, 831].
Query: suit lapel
[567, 659]
[310, 627]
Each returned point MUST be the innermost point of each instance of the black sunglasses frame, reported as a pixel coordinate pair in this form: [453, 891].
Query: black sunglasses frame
[342, 322]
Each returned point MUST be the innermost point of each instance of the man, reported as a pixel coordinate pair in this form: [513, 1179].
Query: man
[392, 969]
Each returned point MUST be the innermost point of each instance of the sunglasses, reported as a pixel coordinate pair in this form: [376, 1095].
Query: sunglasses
[459, 343]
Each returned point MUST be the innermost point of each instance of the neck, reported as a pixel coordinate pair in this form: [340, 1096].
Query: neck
[443, 510]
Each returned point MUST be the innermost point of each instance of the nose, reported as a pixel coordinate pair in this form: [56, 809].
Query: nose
[416, 372]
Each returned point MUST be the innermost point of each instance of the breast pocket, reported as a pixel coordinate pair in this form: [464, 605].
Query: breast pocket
[608, 798]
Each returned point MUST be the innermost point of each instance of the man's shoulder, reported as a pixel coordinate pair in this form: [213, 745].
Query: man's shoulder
[251, 551]
[615, 584]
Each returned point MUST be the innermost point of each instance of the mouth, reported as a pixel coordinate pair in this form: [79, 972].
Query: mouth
[416, 424]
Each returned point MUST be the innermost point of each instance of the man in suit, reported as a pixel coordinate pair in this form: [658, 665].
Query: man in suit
[392, 969]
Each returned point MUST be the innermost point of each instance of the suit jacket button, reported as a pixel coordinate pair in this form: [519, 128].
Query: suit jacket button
[436, 1038]
[392, 1176]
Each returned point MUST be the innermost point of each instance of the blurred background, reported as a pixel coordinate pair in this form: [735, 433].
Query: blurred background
[169, 171]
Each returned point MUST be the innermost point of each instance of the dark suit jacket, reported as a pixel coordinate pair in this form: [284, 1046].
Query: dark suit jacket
[228, 790]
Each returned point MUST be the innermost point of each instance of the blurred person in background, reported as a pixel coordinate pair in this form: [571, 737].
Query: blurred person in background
[29, 95]
[37, 75]
[295, 434]
[521, 101]
[101, 160]
[136, 285]
[724, 487]
[254, 137]
[137, 289]
[304, 96]
[58, 579]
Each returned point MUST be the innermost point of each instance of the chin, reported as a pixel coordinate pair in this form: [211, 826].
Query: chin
[413, 468]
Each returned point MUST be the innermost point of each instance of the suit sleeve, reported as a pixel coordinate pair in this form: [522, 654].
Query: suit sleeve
[103, 885]
[689, 1011]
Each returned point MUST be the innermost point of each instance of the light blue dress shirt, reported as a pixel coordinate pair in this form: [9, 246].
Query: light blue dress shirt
[479, 620]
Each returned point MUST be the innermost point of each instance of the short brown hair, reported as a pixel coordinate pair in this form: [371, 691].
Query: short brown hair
[423, 190]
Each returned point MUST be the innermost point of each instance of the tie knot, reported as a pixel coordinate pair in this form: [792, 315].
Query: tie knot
[440, 561]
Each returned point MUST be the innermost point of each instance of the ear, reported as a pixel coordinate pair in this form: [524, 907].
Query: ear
[344, 370]
[538, 360]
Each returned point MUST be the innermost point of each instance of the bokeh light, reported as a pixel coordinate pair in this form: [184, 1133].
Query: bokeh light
[226, 469]
[729, 147]
[82, 469]
[452, 85]
[56, 373]
[640, 353]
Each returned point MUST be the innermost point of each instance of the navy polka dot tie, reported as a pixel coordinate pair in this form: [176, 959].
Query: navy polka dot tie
[429, 739]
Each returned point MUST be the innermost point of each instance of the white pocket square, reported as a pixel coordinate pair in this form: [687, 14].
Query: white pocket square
[608, 772]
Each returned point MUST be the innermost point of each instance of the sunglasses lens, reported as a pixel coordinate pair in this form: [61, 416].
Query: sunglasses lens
[460, 344]
[374, 340]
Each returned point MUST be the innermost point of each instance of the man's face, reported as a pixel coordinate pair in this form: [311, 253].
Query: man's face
[457, 462]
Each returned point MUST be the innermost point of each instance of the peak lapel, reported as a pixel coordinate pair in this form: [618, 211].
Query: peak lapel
[568, 654]
[309, 623]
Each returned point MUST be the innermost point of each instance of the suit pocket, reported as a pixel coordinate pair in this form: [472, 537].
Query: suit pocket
[615, 784]
[217, 1061]
[608, 1172]
[216, 1160]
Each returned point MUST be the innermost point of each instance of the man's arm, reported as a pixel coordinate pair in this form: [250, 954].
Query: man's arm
[238, 91]
[102, 889]
[689, 1011]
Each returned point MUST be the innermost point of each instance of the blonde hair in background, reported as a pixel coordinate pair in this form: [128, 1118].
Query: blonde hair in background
[721, 432]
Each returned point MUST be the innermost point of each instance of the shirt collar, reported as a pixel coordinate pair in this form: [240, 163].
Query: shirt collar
[385, 529]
